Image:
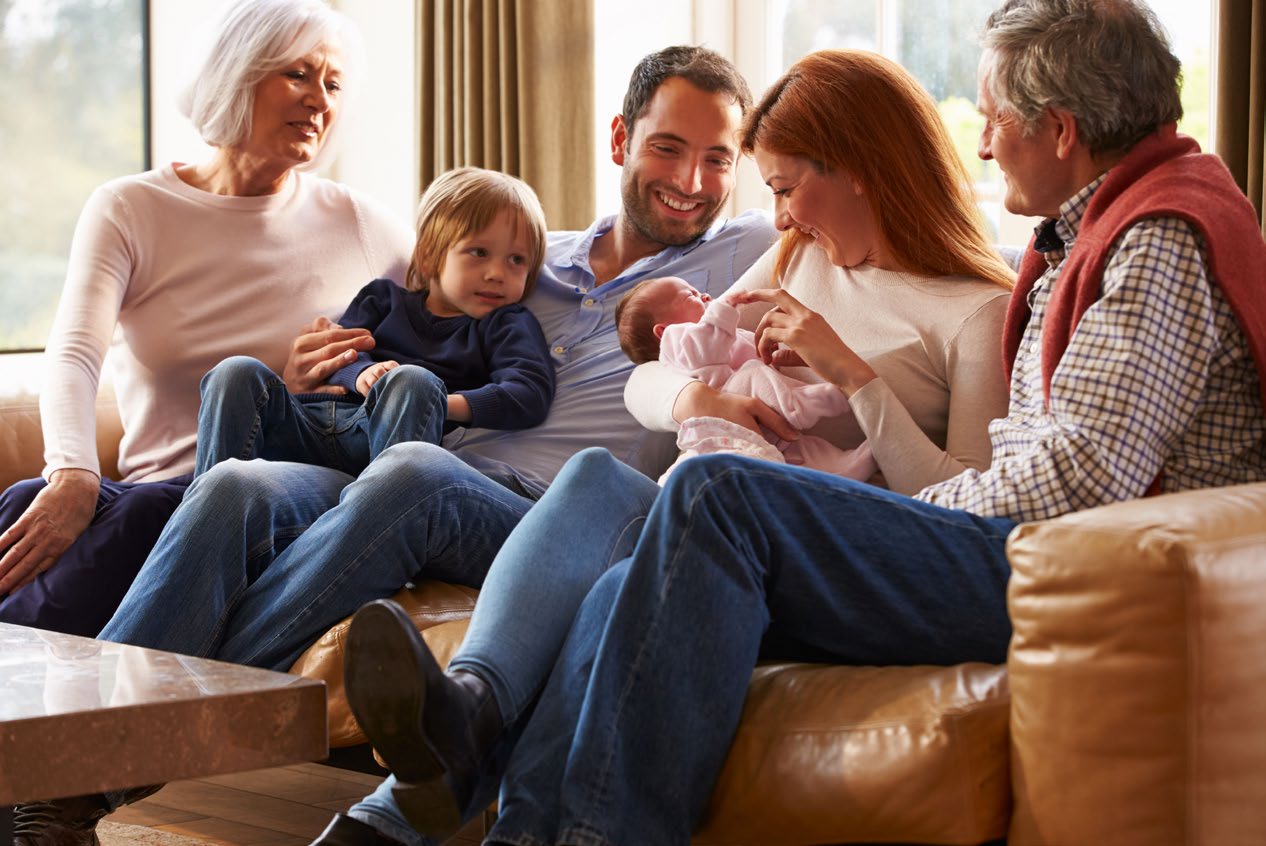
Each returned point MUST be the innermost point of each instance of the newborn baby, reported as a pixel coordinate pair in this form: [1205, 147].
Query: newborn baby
[666, 319]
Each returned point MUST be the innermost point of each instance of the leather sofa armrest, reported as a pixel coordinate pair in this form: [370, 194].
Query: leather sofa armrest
[1138, 672]
[22, 440]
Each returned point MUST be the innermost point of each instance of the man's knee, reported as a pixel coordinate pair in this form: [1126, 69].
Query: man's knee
[602, 595]
[236, 376]
[416, 463]
[238, 483]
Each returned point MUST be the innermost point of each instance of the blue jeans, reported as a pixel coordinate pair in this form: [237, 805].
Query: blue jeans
[247, 413]
[590, 517]
[263, 557]
[80, 592]
[738, 558]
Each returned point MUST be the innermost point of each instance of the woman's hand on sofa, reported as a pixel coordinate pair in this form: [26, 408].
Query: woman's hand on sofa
[58, 514]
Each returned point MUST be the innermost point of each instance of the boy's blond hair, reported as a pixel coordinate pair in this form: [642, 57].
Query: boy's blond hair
[464, 201]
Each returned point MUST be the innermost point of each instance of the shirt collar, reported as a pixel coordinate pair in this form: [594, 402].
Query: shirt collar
[1074, 209]
[579, 254]
[1055, 236]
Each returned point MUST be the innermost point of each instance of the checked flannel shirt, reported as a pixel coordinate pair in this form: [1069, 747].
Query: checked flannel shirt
[1157, 376]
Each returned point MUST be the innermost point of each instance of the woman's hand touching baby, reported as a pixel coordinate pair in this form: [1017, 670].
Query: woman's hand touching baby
[793, 335]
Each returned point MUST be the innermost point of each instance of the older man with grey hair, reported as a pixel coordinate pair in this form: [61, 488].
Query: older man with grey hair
[1136, 343]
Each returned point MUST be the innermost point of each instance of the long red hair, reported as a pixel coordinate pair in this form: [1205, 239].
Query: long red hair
[863, 114]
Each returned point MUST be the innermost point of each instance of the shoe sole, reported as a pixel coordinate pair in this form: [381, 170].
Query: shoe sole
[385, 671]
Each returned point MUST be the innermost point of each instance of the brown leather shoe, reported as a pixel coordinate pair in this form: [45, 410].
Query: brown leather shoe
[433, 729]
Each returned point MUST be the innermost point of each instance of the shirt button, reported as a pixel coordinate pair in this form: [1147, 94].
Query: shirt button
[589, 302]
[559, 350]
[1034, 347]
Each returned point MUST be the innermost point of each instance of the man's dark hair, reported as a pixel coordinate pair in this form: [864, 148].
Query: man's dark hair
[701, 67]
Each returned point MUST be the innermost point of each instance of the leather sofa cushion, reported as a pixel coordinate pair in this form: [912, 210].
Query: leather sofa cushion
[1138, 672]
[829, 754]
[439, 610]
[824, 754]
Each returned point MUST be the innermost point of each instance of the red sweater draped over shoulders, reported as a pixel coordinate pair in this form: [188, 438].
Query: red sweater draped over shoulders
[1163, 176]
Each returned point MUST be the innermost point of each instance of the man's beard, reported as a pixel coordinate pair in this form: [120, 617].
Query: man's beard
[641, 213]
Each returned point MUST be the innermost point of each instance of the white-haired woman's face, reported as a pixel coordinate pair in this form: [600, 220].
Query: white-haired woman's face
[295, 106]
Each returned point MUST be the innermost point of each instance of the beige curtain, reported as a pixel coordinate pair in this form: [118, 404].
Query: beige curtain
[508, 85]
[1241, 115]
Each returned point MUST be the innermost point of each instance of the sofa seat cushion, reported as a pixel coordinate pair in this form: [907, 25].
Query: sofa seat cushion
[824, 754]
[438, 609]
[830, 754]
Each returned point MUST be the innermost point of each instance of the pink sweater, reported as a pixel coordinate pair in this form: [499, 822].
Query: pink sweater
[172, 279]
[715, 351]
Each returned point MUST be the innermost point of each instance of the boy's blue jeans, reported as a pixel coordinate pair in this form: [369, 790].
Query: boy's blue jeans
[247, 413]
[641, 663]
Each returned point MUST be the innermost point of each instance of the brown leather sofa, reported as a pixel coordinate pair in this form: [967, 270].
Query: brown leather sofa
[1132, 709]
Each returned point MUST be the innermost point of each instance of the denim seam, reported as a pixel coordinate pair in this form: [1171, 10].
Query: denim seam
[520, 839]
[599, 791]
[581, 835]
[214, 640]
[270, 385]
[214, 636]
[861, 491]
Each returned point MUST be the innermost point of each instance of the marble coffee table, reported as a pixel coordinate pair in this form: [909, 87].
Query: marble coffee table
[82, 716]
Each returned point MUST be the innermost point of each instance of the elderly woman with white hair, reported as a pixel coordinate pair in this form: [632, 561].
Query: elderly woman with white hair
[173, 270]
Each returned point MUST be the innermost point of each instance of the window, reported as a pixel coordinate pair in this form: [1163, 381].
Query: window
[74, 111]
[938, 43]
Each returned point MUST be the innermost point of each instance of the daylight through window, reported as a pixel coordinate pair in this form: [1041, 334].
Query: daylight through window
[74, 116]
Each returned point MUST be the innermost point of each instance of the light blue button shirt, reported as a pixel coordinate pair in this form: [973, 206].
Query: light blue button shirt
[578, 318]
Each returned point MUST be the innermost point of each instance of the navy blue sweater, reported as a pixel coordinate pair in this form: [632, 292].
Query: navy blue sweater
[500, 364]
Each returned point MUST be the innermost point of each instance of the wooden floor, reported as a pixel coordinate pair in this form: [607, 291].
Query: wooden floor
[287, 806]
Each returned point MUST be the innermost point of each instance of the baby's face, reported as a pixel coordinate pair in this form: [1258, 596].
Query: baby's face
[676, 301]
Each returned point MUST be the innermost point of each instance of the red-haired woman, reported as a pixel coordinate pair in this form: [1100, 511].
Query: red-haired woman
[884, 284]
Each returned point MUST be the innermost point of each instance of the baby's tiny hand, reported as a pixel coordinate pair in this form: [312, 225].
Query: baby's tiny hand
[742, 298]
[372, 374]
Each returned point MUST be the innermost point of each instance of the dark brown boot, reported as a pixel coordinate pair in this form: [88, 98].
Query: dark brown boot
[59, 822]
[68, 822]
[433, 729]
